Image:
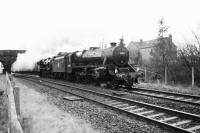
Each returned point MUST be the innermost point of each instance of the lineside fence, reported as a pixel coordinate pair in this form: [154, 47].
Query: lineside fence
[16, 124]
[153, 76]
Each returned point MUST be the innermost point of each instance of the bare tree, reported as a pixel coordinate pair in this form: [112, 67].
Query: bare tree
[161, 53]
[197, 39]
[188, 57]
[162, 29]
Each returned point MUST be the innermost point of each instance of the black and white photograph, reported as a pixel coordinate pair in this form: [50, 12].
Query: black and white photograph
[99, 66]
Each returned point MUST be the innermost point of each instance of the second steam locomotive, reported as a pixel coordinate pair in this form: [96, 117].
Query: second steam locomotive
[109, 65]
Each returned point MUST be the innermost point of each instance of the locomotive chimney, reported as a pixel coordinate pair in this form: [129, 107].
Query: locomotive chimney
[113, 44]
[121, 42]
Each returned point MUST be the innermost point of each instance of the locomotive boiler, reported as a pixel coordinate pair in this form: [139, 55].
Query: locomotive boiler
[117, 55]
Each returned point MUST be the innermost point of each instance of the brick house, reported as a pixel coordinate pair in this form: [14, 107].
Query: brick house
[145, 48]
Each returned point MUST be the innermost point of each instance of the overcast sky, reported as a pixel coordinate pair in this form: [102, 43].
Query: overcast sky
[67, 25]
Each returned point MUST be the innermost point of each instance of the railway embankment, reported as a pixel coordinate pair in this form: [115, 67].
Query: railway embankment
[45, 116]
[3, 106]
[10, 118]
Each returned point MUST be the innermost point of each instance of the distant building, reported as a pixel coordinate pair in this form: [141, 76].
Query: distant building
[146, 47]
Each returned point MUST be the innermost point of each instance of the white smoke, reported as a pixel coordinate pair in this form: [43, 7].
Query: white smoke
[27, 60]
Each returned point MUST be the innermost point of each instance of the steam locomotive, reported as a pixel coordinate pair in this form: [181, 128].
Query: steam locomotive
[109, 65]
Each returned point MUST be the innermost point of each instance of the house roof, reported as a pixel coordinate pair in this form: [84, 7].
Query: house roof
[150, 43]
[145, 44]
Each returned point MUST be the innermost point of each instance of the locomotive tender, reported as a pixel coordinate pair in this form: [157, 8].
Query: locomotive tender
[109, 65]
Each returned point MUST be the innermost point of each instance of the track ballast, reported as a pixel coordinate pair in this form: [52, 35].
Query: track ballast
[178, 121]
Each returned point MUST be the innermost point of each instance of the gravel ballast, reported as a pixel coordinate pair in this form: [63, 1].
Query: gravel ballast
[101, 119]
[45, 116]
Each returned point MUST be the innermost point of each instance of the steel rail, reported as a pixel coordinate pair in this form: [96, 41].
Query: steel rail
[178, 97]
[166, 92]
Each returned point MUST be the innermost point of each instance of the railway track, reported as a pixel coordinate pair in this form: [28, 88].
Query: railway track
[178, 97]
[173, 96]
[177, 121]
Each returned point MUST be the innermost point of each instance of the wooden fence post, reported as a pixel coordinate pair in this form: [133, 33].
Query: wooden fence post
[17, 100]
[27, 124]
[192, 76]
[13, 84]
[165, 75]
[145, 74]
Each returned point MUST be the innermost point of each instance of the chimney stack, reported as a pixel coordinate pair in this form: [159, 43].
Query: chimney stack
[121, 42]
